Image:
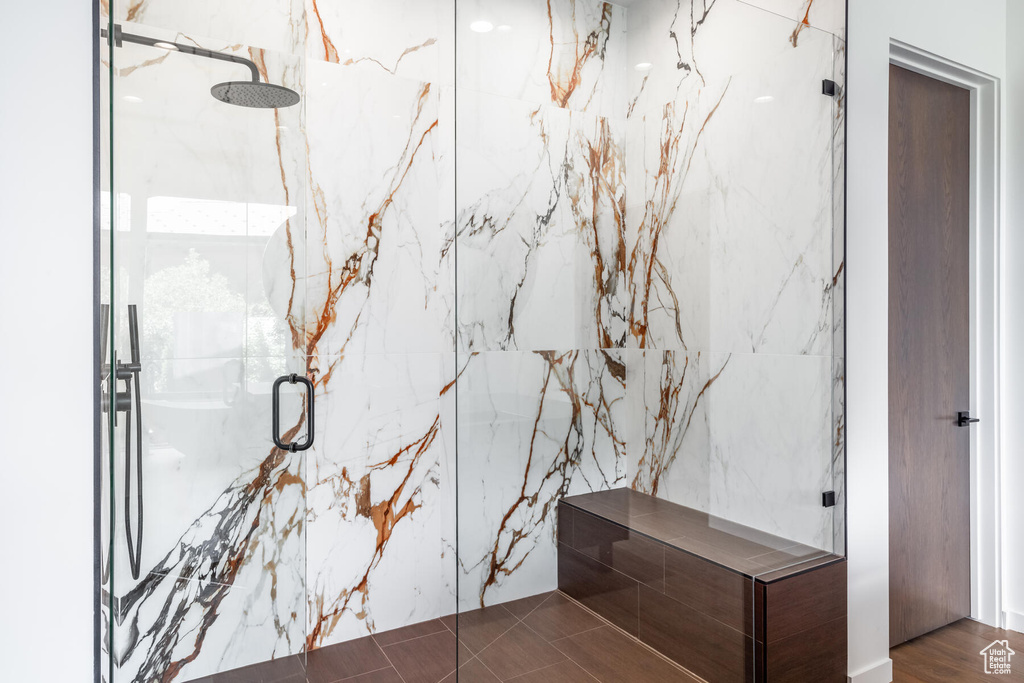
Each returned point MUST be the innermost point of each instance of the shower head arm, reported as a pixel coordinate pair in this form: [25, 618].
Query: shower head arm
[120, 36]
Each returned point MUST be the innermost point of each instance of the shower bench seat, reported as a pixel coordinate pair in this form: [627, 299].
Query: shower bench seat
[725, 601]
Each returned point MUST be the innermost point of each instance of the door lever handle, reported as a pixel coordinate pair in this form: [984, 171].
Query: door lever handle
[964, 419]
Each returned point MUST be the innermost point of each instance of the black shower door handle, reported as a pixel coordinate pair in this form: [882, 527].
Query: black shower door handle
[310, 400]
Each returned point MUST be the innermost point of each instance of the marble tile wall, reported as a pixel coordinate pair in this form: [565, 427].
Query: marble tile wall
[318, 240]
[542, 294]
[731, 176]
[644, 297]
[379, 328]
[200, 194]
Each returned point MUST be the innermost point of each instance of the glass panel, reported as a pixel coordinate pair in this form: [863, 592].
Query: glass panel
[600, 263]
[208, 516]
[839, 298]
[108, 444]
[257, 243]
[381, 502]
[649, 317]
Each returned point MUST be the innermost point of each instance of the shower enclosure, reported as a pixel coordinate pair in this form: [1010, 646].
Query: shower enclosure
[384, 282]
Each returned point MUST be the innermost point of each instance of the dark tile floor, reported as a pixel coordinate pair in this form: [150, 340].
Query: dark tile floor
[546, 638]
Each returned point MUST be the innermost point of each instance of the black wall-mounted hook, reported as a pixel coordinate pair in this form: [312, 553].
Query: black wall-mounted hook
[829, 88]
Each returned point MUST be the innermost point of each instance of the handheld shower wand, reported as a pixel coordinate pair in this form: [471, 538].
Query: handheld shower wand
[134, 370]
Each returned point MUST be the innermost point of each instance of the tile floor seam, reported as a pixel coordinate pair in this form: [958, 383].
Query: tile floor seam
[546, 642]
[484, 665]
[397, 672]
[409, 640]
[570, 657]
[625, 633]
[573, 635]
[644, 645]
[539, 605]
[350, 678]
[503, 633]
[551, 666]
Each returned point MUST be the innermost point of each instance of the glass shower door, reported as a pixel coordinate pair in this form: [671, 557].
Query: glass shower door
[308, 243]
[206, 307]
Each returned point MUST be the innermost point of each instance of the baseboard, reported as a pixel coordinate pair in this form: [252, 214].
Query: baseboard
[1014, 621]
[879, 673]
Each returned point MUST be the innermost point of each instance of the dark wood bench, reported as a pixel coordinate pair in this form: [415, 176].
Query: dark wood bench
[725, 601]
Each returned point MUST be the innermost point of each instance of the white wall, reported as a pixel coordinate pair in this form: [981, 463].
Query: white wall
[1013, 322]
[975, 38]
[46, 580]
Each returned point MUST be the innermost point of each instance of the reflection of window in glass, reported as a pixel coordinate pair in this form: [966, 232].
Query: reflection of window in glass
[192, 312]
[184, 215]
[199, 301]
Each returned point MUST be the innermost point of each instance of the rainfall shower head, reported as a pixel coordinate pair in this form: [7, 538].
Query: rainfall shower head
[252, 93]
[255, 94]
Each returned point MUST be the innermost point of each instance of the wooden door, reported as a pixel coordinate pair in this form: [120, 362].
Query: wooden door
[929, 354]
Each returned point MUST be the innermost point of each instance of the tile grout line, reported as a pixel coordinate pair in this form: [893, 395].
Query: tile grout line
[503, 633]
[539, 605]
[383, 652]
[349, 678]
[566, 655]
[407, 640]
[547, 642]
[483, 664]
[519, 622]
[549, 666]
[636, 640]
[551, 642]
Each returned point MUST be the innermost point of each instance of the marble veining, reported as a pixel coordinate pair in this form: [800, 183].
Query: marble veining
[673, 454]
[374, 232]
[546, 424]
[407, 38]
[541, 245]
[568, 53]
[367, 514]
[243, 557]
[732, 176]
[839, 300]
[637, 214]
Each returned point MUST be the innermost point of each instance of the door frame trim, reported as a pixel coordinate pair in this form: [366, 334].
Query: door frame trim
[986, 302]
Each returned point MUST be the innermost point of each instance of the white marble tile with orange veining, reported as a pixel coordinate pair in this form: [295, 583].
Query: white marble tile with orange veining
[540, 235]
[569, 53]
[268, 24]
[380, 493]
[375, 234]
[533, 427]
[408, 38]
[770, 423]
[825, 15]
[671, 462]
